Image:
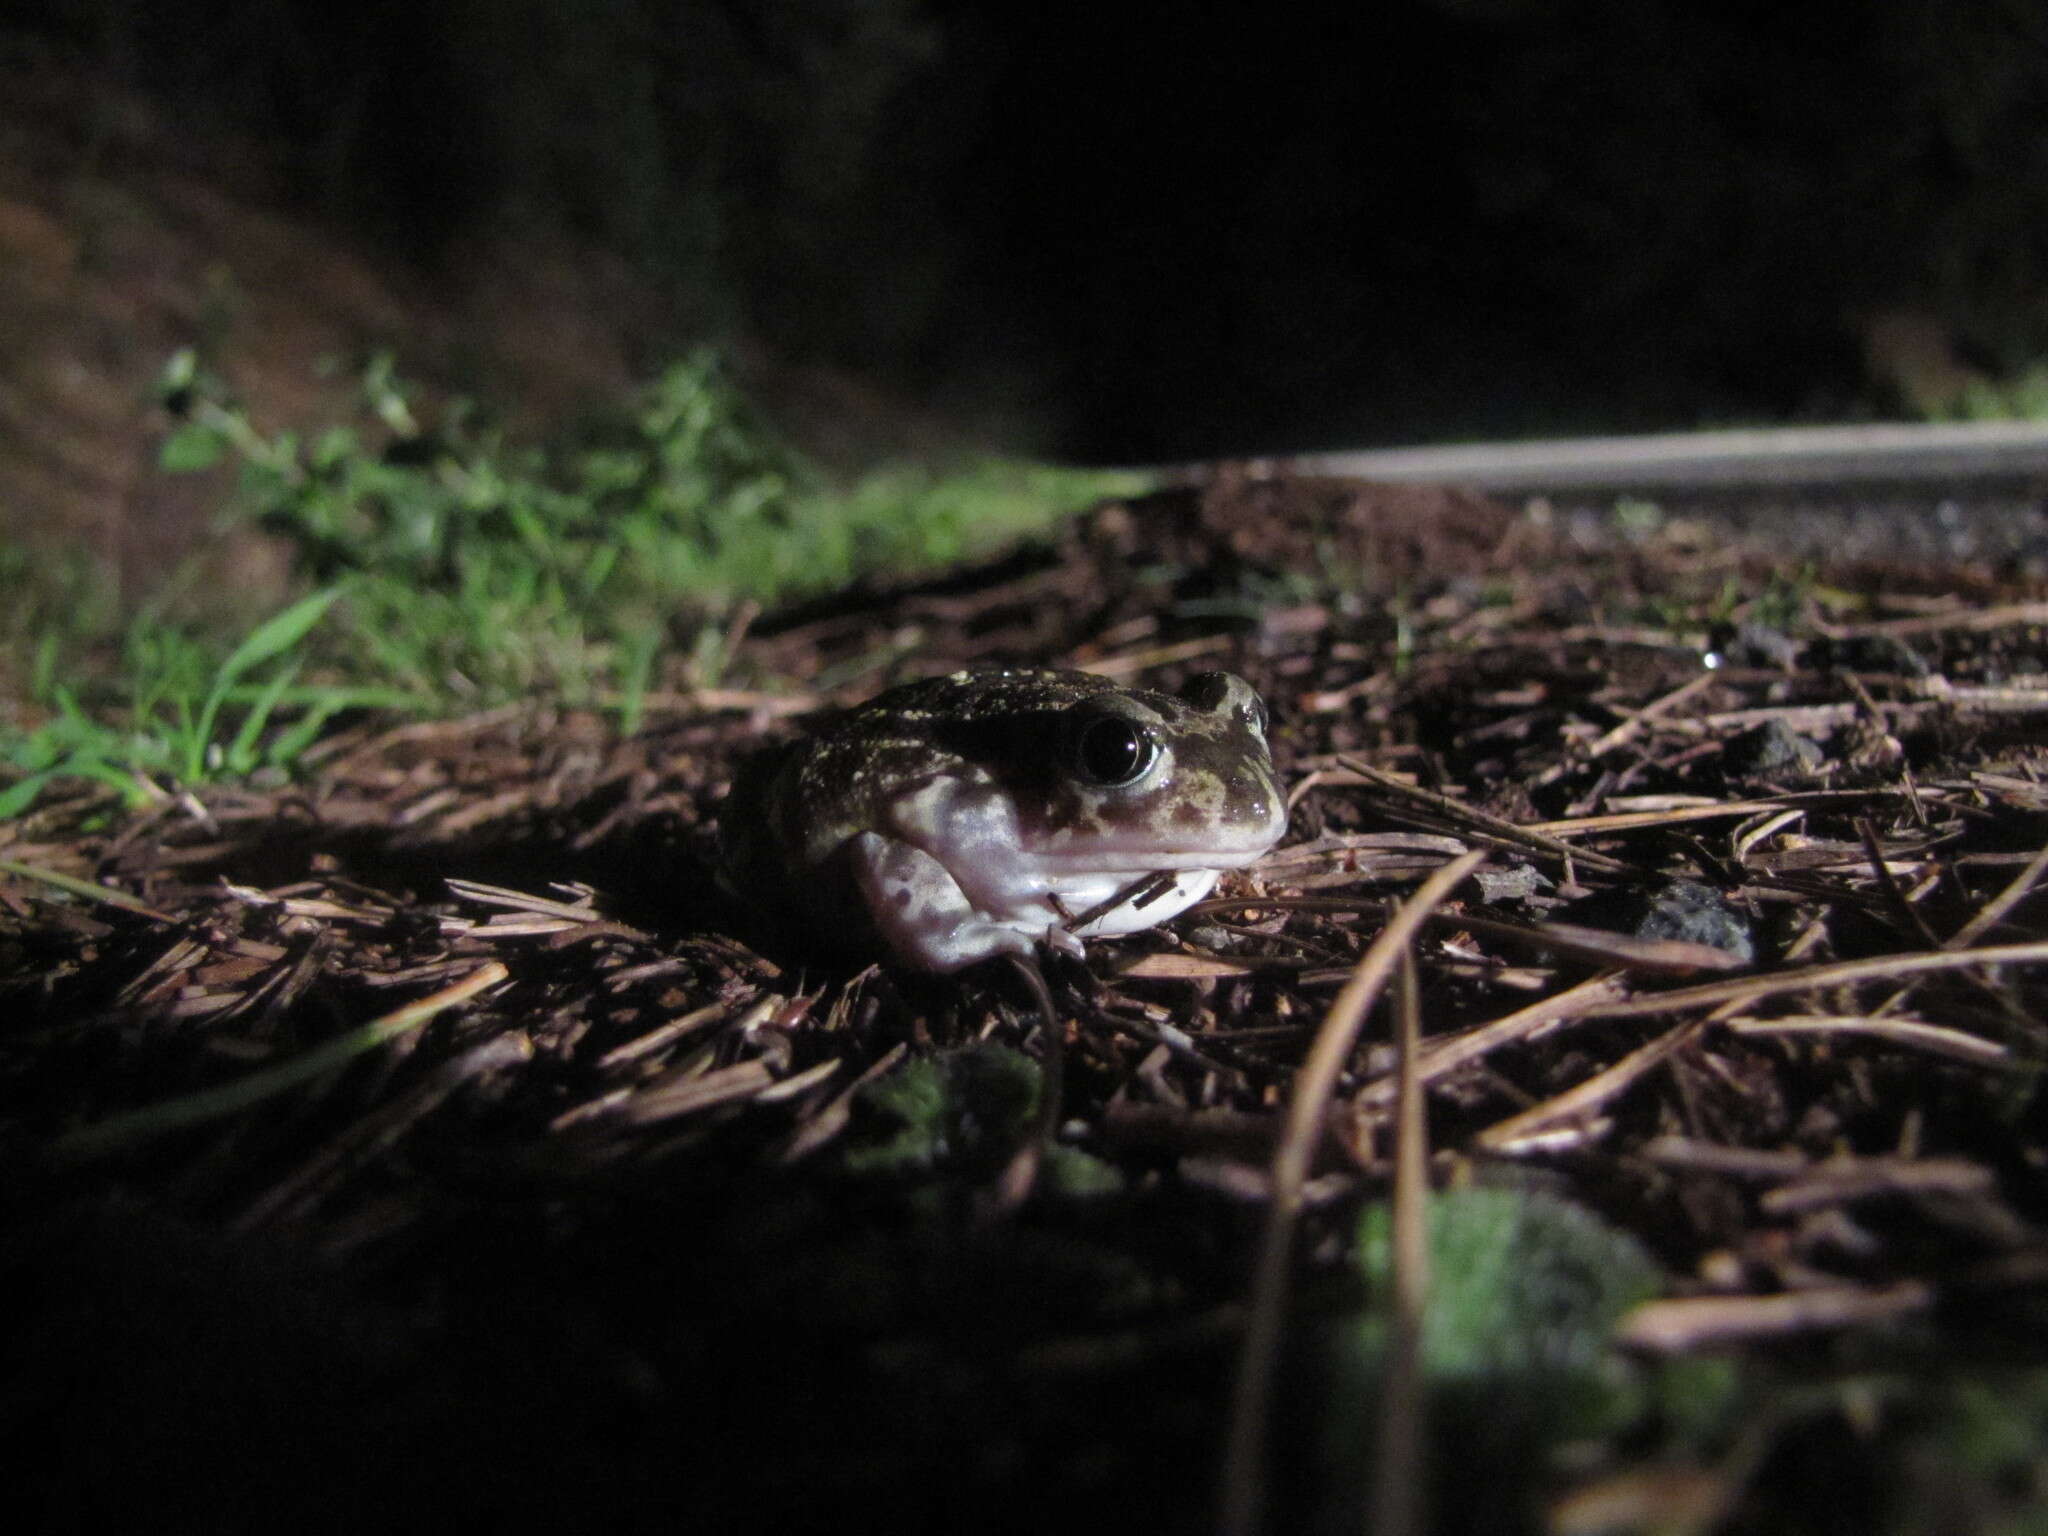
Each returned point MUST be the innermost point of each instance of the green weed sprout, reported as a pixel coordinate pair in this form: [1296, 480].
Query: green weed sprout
[451, 568]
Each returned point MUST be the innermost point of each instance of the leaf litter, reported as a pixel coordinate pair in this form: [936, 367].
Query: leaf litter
[460, 1035]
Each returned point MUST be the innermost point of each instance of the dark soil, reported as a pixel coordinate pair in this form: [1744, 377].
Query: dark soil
[585, 1248]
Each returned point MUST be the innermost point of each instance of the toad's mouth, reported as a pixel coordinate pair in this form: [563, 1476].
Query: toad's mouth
[1122, 904]
[1134, 863]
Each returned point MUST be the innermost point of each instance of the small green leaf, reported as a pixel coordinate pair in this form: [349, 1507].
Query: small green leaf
[20, 795]
[193, 447]
[181, 372]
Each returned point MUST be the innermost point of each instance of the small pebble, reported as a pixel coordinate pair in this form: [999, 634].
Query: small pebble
[1774, 750]
[1696, 913]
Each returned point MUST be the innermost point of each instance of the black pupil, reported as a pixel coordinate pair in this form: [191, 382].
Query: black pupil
[1114, 751]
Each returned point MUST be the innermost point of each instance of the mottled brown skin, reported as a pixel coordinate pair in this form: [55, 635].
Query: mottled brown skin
[957, 817]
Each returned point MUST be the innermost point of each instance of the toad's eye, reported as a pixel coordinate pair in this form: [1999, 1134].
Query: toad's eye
[1111, 751]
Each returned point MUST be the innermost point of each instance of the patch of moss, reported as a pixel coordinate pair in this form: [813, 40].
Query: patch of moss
[1517, 1356]
[962, 1113]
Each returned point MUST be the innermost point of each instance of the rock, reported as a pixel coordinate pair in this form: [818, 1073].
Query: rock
[1774, 751]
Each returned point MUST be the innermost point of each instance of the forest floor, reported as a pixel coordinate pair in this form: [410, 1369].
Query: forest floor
[429, 1138]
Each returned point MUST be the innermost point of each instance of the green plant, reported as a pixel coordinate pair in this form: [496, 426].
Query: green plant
[188, 716]
[452, 567]
[1786, 601]
[2023, 396]
[484, 570]
[1637, 517]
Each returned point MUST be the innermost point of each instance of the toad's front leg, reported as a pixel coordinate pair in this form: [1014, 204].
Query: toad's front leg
[925, 917]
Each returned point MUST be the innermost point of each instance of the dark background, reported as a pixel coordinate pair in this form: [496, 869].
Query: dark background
[1177, 231]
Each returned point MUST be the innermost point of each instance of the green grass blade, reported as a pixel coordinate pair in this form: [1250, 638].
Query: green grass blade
[79, 763]
[123, 1131]
[276, 635]
[270, 639]
[637, 651]
[241, 755]
[285, 750]
[72, 885]
[186, 739]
